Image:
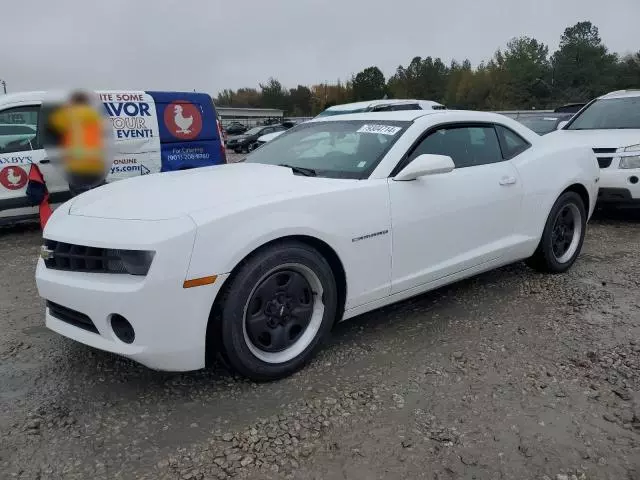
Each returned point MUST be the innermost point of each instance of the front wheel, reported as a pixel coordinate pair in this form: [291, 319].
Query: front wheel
[277, 311]
[562, 237]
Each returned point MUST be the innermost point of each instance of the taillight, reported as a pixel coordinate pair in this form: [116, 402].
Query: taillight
[223, 150]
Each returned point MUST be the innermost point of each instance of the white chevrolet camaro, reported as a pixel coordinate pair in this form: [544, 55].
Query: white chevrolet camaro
[257, 261]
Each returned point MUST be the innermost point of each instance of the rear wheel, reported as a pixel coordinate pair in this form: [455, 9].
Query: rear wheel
[562, 237]
[277, 310]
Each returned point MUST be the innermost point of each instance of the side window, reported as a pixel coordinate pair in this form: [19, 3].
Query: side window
[512, 144]
[19, 129]
[468, 146]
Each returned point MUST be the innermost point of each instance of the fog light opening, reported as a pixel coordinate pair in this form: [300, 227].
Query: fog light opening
[122, 328]
[633, 180]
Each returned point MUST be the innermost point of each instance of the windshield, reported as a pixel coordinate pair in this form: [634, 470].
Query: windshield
[613, 113]
[331, 113]
[342, 149]
[540, 125]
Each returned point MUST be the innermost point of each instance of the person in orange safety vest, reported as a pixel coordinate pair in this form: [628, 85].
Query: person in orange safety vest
[80, 127]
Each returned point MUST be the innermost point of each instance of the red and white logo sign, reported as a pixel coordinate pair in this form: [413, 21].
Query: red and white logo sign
[183, 119]
[13, 178]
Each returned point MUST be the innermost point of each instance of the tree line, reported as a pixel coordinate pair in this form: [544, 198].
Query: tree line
[523, 75]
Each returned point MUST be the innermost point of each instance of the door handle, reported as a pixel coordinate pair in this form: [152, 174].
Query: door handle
[44, 161]
[507, 181]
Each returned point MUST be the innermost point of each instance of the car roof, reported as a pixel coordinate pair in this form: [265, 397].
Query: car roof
[412, 115]
[375, 103]
[621, 94]
[22, 97]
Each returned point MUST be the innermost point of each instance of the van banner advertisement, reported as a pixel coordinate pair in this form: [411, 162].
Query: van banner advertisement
[135, 131]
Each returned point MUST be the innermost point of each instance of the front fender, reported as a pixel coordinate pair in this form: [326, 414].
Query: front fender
[339, 218]
[223, 244]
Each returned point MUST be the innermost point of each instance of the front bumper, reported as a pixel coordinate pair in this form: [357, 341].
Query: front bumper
[170, 322]
[625, 181]
[236, 143]
[617, 196]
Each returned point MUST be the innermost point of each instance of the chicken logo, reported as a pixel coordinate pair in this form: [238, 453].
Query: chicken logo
[13, 178]
[183, 119]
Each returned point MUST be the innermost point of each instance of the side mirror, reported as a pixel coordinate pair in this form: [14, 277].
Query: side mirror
[425, 165]
[562, 124]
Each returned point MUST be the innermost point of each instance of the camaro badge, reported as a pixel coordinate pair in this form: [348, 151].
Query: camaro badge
[46, 253]
[371, 235]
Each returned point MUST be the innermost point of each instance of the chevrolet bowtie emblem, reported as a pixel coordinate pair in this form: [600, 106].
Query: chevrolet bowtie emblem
[46, 253]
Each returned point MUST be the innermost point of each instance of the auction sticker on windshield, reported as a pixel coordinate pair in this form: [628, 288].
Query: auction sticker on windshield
[379, 129]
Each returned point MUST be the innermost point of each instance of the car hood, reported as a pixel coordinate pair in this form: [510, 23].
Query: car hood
[176, 194]
[600, 138]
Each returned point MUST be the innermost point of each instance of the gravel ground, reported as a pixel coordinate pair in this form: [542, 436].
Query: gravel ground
[509, 375]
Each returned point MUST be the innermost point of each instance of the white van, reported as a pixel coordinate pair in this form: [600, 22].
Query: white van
[153, 132]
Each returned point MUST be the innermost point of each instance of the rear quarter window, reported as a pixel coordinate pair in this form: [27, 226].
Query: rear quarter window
[511, 143]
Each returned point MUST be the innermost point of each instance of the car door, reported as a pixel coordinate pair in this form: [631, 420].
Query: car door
[446, 223]
[20, 146]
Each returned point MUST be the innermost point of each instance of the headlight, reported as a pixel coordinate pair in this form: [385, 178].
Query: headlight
[133, 262]
[632, 148]
[630, 162]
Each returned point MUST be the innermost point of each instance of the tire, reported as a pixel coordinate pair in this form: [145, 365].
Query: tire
[251, 147]
[277, 310]
[237, 150]
[551, 255]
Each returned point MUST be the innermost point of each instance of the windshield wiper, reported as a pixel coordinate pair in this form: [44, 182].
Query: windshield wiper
[307, 172]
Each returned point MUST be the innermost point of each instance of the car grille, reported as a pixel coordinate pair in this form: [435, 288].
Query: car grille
[79, 258]
[71, 317]
[605, 162]
[604, 150]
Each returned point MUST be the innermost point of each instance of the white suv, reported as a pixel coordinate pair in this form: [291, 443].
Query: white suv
[611, 126]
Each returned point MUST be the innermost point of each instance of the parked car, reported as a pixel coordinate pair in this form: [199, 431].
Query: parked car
[611, 126]
[543, 123]
[248, 141]
[152, 132]
[258, 260]
[235, 128]
[381, 106]
[570, 108]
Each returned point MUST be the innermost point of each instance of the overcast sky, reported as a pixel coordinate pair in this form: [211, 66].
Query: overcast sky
[208, 45]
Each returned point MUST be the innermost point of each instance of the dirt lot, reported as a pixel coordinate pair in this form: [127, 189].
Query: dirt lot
[510, 375]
